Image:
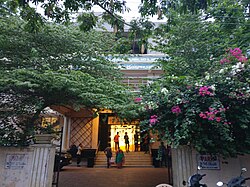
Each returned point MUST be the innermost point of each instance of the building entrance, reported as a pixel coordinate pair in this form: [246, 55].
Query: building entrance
[130, 128]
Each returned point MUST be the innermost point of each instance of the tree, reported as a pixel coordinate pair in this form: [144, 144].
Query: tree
[61, 11]
[139, 32]
[189, 43]
[150, 8]
[233, 22]
[191, 40]
[165, 7]
[57, 66]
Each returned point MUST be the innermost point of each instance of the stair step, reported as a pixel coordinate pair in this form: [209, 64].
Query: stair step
[132, 159]
[126, 166]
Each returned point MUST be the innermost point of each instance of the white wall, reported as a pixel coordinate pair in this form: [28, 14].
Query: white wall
[27, 167]
[19, 175]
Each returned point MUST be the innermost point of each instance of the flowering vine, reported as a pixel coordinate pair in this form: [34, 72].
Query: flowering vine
[206, 113]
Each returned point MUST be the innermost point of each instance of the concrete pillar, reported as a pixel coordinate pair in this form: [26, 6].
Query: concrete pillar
[68, 131]
[42, 166]
[65, 133]
[15, 166]
[95, 129]
[182, 162]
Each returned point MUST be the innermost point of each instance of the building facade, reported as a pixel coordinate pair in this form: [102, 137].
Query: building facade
[98, 132]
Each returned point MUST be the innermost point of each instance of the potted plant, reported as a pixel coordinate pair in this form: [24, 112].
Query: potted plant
[44, 133]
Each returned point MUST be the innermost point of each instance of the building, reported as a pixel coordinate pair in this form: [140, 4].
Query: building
[82, 127]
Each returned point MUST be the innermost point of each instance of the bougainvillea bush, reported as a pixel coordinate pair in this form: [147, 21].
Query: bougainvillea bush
[211, 114]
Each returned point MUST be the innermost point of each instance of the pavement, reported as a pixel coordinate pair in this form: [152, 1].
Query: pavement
[72, 176]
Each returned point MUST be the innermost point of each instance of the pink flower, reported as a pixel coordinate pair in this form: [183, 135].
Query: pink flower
[224, 60]
[222, 109]
[154, 116]
[242, 58]
[236, 52]
[176, 109]
[202, 115]
[218, 119]
[153, 119]
[205, 90]
[210, 115]
[137, 100]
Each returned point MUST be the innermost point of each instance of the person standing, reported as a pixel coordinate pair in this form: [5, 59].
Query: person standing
[136, 139]
[108, 153]
[79, 155]
[120, 158]
[126, 138]
[73, 150]
[146, 143]
[116, 140]
[162, 152]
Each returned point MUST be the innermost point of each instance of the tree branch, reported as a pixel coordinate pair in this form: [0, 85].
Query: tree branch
[113, 15]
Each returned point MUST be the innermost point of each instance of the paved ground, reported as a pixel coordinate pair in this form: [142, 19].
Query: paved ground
[73, 176]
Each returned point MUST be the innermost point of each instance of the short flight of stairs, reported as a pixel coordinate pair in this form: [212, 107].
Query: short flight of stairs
[132, 159]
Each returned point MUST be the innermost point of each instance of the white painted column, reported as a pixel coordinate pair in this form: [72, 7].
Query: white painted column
[64, 135]
[42, 166]
[95, 129]
[182, 165]
[68, 131]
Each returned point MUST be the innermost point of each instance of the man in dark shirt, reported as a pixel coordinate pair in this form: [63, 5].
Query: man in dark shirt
[136, 139]
[126, 138]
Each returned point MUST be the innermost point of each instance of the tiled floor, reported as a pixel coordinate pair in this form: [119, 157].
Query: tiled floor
[73, 176]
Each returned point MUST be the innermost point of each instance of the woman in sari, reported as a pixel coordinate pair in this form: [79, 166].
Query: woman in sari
[120, 158]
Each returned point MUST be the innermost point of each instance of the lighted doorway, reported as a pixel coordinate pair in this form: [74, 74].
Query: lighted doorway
[117, 126]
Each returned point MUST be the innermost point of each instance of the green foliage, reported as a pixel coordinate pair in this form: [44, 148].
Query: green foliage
[230, 14]
[150, 8]
[190, 43]
[87, 21]
[60, 12]
[34, 20]
[122, 45]
[231, 8]
[7, 7]
[113, 21]
[56, 66]
[140, 31]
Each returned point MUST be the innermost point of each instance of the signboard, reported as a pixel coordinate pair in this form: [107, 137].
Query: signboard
[16, 161]
[114, 120]
[208, 161]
